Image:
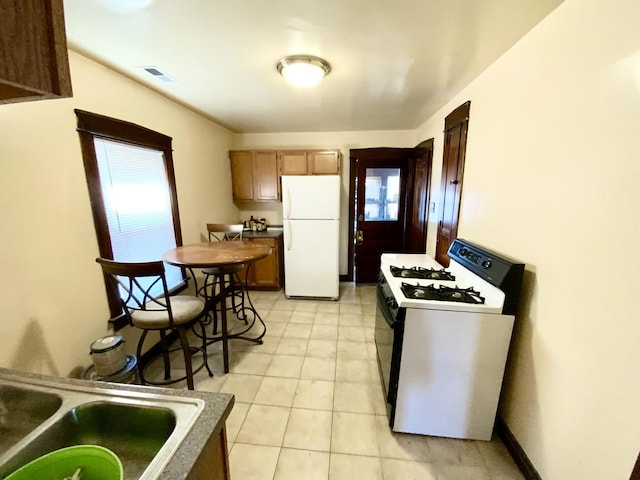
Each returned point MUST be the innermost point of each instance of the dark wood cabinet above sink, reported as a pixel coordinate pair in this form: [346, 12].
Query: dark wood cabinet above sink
[34, 63]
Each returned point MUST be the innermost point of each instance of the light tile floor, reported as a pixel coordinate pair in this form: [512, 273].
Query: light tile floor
[308, 402]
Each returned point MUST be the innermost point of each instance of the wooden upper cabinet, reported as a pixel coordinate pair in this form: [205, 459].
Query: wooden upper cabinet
[309, 162]
[325, 162]
[242, 175]
[254, 176]
[265, 176]
[33, 49]
[293, 163]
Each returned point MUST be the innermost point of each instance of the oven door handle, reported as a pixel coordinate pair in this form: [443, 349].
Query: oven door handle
[385, 304]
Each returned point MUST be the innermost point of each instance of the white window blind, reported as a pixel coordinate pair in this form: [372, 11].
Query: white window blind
[136, 196]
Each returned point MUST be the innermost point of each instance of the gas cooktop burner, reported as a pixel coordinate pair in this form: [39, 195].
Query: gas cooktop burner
[422, 273]
[441, 293]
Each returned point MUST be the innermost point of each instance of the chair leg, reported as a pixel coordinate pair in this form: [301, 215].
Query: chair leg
[238, 290]
[204, 348]
[186, 348]
[139, 357]
[216, 286]
[165, 354]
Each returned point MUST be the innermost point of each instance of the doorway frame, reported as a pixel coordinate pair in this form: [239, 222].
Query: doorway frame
[412, 152]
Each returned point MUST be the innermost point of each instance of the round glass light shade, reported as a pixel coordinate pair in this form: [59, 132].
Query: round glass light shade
[303, 71]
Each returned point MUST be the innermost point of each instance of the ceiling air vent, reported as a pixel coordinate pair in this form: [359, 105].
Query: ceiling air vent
[159, 74]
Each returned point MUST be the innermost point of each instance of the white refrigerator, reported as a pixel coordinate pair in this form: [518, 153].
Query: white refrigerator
[311, 221]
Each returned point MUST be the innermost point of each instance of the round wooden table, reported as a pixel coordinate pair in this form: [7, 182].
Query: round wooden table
[219, 254]
[215, 254]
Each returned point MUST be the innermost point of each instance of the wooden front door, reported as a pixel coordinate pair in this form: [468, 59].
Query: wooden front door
[455, 144]
[378, 207]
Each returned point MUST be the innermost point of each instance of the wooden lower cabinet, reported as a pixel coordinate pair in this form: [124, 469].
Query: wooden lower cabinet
[267, 273]
[213, 462]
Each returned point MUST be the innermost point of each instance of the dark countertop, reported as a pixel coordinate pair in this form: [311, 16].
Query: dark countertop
[211, 420]
[270, 233]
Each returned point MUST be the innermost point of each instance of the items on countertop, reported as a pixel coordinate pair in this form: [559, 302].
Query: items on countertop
[255, 225]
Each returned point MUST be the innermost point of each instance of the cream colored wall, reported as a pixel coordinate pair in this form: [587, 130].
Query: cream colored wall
[53, 304]
[551, 177]
[330, 140]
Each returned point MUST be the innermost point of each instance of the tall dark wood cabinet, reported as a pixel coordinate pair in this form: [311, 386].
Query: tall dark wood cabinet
[456, 125]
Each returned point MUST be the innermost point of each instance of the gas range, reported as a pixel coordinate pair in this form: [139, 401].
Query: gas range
[442, 293]
[421, 272]
[463, 279]
[475, 281]
[442, 338]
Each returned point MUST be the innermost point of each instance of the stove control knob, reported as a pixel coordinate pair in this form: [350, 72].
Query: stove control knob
[486, 264]
[463, 251]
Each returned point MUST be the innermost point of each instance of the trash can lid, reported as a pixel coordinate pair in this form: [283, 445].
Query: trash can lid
[105, 344]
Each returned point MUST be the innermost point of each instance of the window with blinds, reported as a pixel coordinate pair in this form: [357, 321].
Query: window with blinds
[131, 184]
[137, 204]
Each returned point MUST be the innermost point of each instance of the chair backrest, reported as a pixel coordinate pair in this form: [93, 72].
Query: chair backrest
[223, 232]
[139, 286]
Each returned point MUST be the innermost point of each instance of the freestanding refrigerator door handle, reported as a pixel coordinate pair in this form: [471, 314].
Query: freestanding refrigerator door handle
[287, 203]
[289, 236]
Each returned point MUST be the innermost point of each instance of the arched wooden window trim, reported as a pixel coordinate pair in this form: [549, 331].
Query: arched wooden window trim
[92, 125]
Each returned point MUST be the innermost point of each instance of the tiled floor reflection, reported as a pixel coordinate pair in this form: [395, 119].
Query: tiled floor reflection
[309, 402]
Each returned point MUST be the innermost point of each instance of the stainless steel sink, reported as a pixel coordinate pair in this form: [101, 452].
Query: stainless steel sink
[22, 411]
[143, 429]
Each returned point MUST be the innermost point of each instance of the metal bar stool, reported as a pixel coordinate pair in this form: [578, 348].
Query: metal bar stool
[212, 285]
[143, 294]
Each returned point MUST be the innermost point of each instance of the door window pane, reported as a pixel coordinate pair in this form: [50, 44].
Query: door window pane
[381, 189]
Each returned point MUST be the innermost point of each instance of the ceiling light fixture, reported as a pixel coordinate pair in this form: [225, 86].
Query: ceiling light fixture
[303, 71]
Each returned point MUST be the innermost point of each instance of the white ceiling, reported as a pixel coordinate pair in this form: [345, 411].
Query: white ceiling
[394, 62]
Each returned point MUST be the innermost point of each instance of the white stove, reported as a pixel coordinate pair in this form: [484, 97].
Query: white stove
[443, 342]
[464, 279]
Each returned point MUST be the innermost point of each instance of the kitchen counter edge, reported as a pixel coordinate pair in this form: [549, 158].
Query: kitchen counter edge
[210, 421]
[271, 233]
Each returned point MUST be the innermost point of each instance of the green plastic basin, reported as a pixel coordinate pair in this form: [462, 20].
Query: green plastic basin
[80, 462]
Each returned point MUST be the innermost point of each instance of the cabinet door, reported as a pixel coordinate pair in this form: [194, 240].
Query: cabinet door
[456, 125]
[265, 176]
[242, 175]
[293, 163]
[35, 62]
[266, 272]
[265, 269]
[324, 163]
[213, 462]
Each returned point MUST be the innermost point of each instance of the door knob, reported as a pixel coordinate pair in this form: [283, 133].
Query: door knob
[359, 237]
